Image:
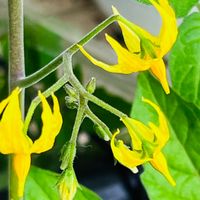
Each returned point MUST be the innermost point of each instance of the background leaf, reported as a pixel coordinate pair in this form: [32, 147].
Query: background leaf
[41, 184]
[182, 151]
[181, 7]
[184, 60]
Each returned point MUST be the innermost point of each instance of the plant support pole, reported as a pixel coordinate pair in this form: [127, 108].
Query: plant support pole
[16, 71]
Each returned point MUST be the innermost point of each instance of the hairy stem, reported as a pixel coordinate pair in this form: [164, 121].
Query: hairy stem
[55, 63]
[74, 81]
[75, 131]
[96, 120]
[16, 72]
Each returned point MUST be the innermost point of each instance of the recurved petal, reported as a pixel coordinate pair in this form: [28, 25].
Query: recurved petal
[131, 40]
[3, 104]
[124, 155]
[158, 69]
[21, 165]
[134, 28]
[52, 123]
[12, 138]
[127, 61]
[136, 142]
[162, 131]
[159, 163]
[169, 29]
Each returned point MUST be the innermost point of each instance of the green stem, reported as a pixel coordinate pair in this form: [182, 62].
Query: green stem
[55, 63]
[16, 42]
[75, 131]
[37, 100]
[96, 120]
[16, 72]
[75, 82]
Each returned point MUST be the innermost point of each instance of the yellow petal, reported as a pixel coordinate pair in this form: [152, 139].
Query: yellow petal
[127, 62]
[52, 123]
[136, 142]
[125, 156]
[169, 29]
[135, 28]
[12, 138]
[138, 128]
[3, 104]
[158, 69]
[131, 40]
[21, 165]
[159, 163]
[162, 131]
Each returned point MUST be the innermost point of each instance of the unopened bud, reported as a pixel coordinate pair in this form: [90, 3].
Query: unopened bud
[91, 86]
[101, 132]
[70, 91]
[67, 152]
[67, 185]
[71, 102]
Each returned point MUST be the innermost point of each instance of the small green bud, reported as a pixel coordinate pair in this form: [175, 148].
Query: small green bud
[67, 151]
[101, 132]
[70, 91]
[71, 102]
[91, 86]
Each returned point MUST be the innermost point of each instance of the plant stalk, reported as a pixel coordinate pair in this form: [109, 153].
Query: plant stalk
[16, 72]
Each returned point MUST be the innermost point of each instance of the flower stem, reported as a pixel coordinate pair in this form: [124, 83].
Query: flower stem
[96, 120]
[75, 82]
[55, 63]
[16, 72]
[77, 124]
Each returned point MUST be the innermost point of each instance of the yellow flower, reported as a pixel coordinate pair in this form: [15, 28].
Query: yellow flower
[68, 185]
[147, 143]
[144, 51]
[14, 141]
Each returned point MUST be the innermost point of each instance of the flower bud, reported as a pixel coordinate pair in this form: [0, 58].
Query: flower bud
[70, 91]
[67, 185]
[71, 102]
[91, 86]
[66, 152]
[101, 132]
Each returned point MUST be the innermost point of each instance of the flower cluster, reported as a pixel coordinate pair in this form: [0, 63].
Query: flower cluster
[144, 51]
[147, 143]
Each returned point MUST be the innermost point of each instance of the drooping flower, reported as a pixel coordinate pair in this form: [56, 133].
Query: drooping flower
[14, 141]
[144, 51]
[147, 143]
[68, 185]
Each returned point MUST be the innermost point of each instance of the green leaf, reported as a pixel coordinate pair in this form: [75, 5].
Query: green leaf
[182, 150]
[41, 184]
[84, 193]
[184, 60]
[181, 7]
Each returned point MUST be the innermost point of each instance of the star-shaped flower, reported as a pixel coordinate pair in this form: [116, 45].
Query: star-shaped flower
[144, 51]
[13, 140]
